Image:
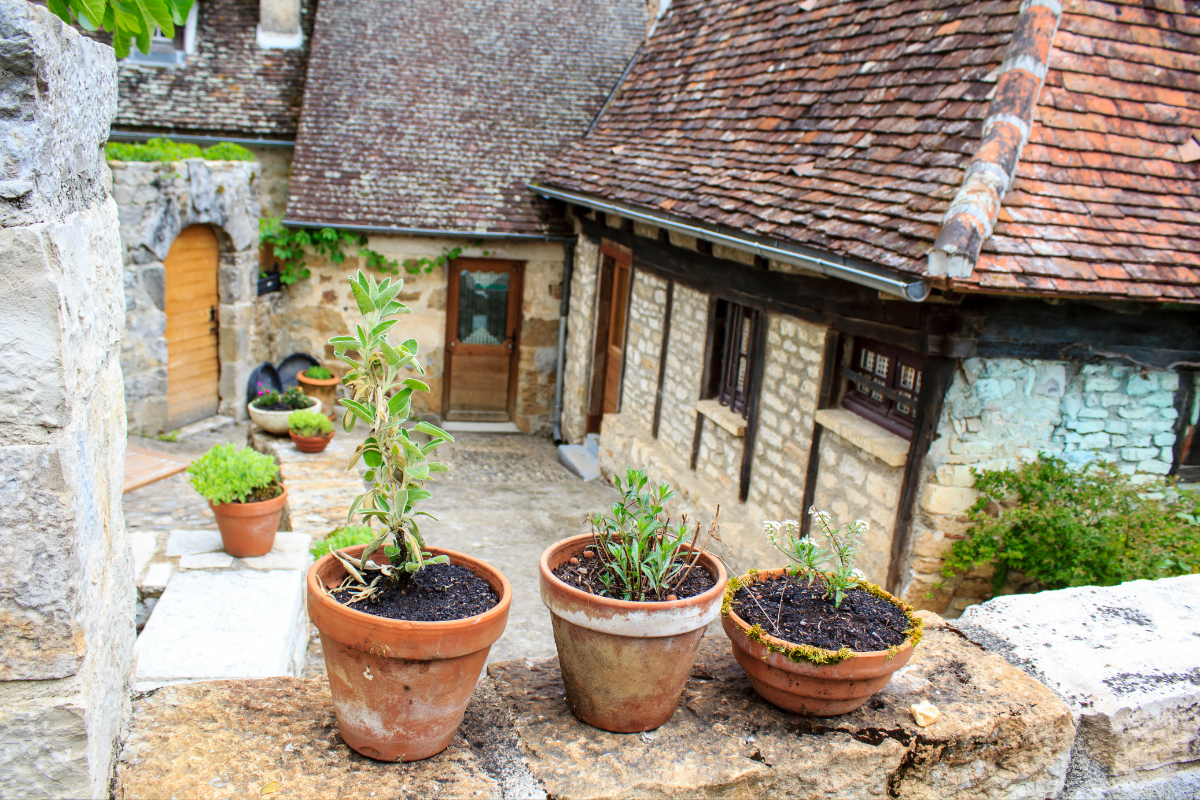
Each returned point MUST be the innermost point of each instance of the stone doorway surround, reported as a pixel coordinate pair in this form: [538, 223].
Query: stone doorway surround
[156, 200]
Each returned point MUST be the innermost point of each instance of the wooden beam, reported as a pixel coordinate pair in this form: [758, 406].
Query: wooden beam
[935, 382]
[756, 380]
[662, 359]
[826, 396]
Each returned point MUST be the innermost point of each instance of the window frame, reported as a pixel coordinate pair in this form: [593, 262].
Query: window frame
[736, 330]
[880, 396]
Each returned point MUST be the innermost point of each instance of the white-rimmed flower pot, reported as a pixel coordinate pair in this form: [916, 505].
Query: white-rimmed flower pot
[276, 422]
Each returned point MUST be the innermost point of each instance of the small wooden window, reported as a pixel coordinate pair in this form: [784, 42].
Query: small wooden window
[883, 383]
[736, 335]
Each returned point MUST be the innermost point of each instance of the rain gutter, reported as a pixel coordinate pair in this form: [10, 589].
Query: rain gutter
[385, 230]
[188, 138]
[908, 288]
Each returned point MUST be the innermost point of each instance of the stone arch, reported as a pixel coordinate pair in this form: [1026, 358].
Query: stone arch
[155, 202]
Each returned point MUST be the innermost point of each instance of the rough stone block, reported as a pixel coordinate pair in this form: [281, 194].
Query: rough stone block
[1124, 659]
[187, 543]
[938, 499]
[206, 561]
[212, 625]
[1000, 734]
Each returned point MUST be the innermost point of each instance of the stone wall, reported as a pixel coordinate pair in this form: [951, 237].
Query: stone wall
[156, 201]
[643, 346]
[302, 317]
[999, 412]
[66, 578]
[681, 382]
[275, 173]
[581, 327]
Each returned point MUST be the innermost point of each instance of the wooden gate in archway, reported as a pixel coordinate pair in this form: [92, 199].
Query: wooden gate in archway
[193, 365]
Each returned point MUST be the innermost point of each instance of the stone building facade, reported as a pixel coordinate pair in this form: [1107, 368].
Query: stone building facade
[66, 575]
[156, 201]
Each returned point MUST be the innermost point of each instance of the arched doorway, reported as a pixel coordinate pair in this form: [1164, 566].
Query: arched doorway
[193, 366]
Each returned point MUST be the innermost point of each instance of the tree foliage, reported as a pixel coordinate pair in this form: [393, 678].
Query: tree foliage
[129, 21]
[1062, 526]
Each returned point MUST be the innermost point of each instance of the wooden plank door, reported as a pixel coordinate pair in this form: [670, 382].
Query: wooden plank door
[483, 323]
[193, 366]
[618, 307]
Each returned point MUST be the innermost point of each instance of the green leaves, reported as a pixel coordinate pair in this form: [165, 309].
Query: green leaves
[227, 474]
[127, 20]
[289, 246]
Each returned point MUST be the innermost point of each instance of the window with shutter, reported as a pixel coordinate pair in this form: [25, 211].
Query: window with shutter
[883, 384]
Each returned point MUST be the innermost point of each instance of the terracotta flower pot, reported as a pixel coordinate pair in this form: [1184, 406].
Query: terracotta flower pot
[248, 529]
[400, 688]
[624, 664]
[275, 422]
[324, 390]
[783, 678]
[310, 444]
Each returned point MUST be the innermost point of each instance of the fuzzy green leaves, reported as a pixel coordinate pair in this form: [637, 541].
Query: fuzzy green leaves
[128, 20]
[227, 474]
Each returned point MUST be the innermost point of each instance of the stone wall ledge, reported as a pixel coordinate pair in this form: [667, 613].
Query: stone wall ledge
[864, 434]
[1000, 734]
[722, 415]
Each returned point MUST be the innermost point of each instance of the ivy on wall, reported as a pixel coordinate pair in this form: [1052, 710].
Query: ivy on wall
[289, 244]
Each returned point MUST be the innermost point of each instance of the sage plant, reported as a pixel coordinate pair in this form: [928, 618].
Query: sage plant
[397, 464]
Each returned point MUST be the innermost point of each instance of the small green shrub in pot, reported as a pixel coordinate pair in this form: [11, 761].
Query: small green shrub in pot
[341, 538]
[229, 474]
[242, 488]
[309, 423]
[292, 399]
[318, 373]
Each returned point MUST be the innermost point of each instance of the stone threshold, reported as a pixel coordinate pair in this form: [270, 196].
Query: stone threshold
[1000, 734]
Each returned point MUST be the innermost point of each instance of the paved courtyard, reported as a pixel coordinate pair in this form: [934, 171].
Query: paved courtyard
[505, 499]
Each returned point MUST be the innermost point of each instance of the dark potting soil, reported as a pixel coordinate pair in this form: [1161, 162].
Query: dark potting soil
[438, 593]
[281, 407]
[863, 623]
[269, 492]
[584, 575]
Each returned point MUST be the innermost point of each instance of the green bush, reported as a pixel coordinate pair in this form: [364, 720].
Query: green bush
[228, 474]
[1063, 526]
[341, 538]
[166, 150]
[309, 423]
[318, 373]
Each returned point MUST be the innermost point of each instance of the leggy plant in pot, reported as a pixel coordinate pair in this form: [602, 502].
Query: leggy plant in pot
[815, 637]
[629, 603]
[242, 487]
[311, 431]
[405, 627]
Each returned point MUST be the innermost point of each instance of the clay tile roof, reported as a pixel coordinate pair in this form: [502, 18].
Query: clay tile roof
[229, 86]
[432, 115]
[850, 127]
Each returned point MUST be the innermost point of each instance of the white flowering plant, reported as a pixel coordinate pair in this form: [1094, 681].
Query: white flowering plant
[808, 557]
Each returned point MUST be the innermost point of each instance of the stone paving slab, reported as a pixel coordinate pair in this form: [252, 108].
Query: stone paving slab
[1000, 734]
[1126, 659]
[233, 624]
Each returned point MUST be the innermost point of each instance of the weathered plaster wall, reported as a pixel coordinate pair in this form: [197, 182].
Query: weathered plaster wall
[66, 584]
[1001, 411]
[156, 201]
[581, 327]
[302, 317]
[274, 173]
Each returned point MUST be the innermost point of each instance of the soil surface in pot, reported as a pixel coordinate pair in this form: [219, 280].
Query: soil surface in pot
[281, 407]
[863, 623]
[438, 593]
[583, 573]
[262, 493]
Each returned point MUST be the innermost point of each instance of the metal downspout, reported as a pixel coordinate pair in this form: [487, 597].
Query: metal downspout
[568, 269]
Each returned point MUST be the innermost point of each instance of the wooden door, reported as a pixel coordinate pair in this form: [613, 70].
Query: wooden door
[483, 323]
[192, 363]
[618, 307]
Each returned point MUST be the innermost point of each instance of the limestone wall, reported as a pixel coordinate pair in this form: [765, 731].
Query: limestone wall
[66, 584]
[1001, 411]
[156, 201]
[302, 317]
[681, 383]
[275, 172]
[643, 346]
[581, 327]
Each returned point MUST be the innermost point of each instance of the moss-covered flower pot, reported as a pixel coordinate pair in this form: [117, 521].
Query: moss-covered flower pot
[810, 680]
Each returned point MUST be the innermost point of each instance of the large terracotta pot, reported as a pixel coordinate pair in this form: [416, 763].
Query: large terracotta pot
[248, 529]
[624, 664]
[275, 422]
[800, 686]
[324, 390]
[310, 444]
[400, 688]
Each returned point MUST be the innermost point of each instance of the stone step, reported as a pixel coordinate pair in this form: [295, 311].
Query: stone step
[480, 427]
[1125, 660]
[580, 460]
[212, 424]
[229, 624]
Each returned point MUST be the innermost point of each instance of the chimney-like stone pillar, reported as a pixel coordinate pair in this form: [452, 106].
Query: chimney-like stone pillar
[279, 24]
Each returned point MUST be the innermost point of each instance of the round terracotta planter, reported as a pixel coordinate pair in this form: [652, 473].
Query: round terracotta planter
[276, 422]
[624, 664]
[310, 444]
[800, 686]
[248, 529]
[400, 688]
[323, 390]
